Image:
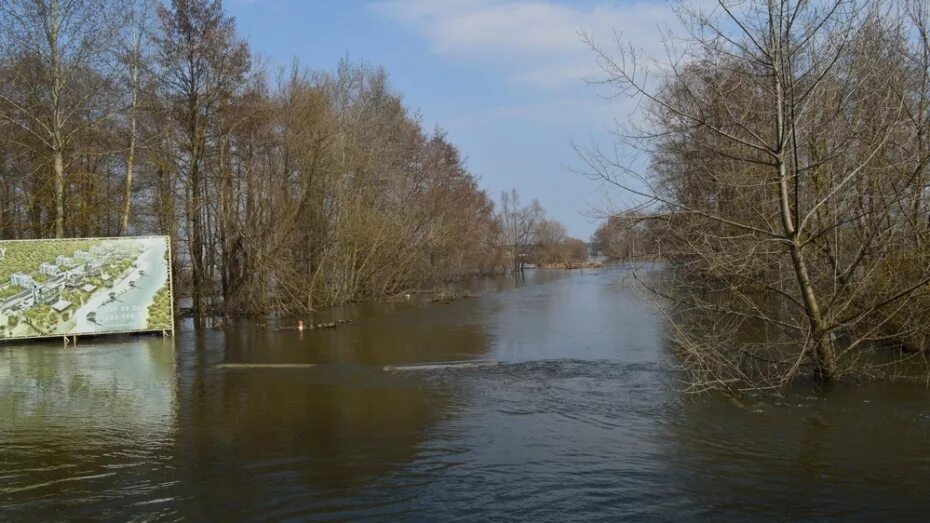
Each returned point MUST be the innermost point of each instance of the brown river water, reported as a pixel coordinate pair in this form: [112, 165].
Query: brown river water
[581, 421]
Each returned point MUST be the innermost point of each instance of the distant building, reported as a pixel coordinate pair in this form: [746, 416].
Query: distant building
[64, 261]
[93, 268]
[73, 281]
[89, 288]
[49, 269]
[82, 255]
[61, 305]
[23, 280]
[47, 294]
[99, 250]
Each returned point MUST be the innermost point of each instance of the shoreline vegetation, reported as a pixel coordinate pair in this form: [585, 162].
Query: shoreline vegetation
[574, 265]
[433, 295]
[284, 191]
[786, 182]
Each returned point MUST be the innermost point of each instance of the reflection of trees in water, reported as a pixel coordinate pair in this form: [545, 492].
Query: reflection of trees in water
[502, 282]
[253, 438]
[456, 330]
[801, 457]
[330, 433]
[112, 384]
[86, 428]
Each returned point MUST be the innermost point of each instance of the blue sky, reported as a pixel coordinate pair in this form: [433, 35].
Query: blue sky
[505, 78]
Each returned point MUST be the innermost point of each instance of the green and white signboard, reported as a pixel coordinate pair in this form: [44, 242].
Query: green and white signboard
[72, 287]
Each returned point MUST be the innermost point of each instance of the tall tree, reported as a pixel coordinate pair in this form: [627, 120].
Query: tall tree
[519, 223]
[202, 64]
[785, 167]
[62, 64]
[134, 59]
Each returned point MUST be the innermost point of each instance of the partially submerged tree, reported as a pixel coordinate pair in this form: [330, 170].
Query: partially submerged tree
[789, 169]
[519, 224]
[281, 196]
[201, 65]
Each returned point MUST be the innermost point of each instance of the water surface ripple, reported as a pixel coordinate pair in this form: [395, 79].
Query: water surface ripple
[581, 421]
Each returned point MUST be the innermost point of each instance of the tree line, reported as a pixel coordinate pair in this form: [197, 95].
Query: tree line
[628, 236]
[529, 238]
[283, 191]
[789, 161]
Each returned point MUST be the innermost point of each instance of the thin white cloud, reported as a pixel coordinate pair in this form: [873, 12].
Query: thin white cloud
[555, 111]
[533, 42]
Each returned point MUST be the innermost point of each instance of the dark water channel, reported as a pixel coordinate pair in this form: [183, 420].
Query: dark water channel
[580, 422]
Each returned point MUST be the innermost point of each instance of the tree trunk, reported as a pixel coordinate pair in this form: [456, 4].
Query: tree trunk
[59, 166]
[822, 354]
[131, 154]
[196, 243]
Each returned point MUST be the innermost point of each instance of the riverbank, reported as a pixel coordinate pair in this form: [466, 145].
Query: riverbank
[593, 264]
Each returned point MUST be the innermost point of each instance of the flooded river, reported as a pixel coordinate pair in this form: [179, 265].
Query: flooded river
[581, 421]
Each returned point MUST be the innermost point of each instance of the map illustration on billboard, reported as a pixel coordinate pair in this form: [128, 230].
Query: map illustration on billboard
[71, 287]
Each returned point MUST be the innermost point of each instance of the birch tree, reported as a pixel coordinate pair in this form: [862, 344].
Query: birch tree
[134, 58]
[61, 46]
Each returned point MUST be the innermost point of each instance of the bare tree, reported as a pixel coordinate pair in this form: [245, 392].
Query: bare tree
[548, 238]
[201, 62]
[63, 65]
[784, 172]
[629, 236]
[140, 12]
[518, 224]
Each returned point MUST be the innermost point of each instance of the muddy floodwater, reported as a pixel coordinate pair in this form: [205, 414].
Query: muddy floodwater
[581, 421]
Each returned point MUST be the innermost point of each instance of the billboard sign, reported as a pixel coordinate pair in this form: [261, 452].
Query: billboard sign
[69, 287]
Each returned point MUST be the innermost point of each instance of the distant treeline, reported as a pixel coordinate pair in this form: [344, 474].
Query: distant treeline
[283, 191]
[628, 236]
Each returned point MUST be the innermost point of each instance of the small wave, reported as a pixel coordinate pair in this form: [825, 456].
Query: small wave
[154, 501]
[57, 482]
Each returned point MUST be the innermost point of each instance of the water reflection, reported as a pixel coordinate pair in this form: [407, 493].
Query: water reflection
[261, 444]
[376, 336]
[585, 315]
[581, 421]
[92, 422]
[851, 452]
[345, 438]
[294, 441]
